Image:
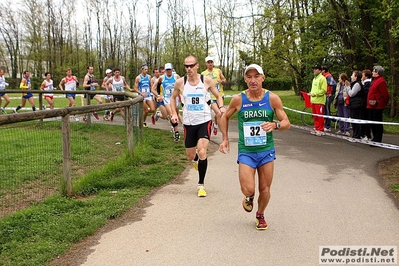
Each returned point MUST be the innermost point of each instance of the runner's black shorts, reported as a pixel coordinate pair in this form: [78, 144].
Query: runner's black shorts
[193, 133]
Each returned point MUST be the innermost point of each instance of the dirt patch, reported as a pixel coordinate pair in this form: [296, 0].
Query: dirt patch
[389, 171]
[78, 253]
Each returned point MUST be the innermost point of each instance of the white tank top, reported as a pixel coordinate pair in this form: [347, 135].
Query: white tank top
[70, 84]
[2, 83]
[196, 109]
[117, 85]
[48, 87]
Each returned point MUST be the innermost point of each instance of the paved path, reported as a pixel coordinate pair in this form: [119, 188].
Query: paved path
[326, 191]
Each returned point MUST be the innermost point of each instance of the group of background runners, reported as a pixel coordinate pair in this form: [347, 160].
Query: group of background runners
[156, 91]
[256, 108]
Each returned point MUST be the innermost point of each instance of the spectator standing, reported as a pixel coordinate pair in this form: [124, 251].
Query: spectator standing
[331, 85]
[318, 100]
[366, 80]
[377, 101]
[356, 94]
[340, 105]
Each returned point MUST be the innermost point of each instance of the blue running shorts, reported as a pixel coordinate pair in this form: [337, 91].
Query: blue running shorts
[256, 159]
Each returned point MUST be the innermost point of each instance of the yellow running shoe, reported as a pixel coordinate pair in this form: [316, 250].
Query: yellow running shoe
[201, 190]
[248, 203]
[195, 165]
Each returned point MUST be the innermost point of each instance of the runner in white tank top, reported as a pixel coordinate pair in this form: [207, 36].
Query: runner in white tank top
[71, 82]
[47, 85]
[196, 101]
[119, 84]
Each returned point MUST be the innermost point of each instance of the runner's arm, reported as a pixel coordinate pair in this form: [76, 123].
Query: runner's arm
[126, 86]
[42, 85]
[282, 117]
[211, 86]
[176, 91]
[222, 78]
[136, 86]
[85, 82]
[154, 88]
[61, 83]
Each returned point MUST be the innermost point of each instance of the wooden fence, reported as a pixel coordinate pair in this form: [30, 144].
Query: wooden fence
[133, 118]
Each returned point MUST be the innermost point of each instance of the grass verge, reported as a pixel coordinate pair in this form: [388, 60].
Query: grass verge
[37, 234]
[389, 171]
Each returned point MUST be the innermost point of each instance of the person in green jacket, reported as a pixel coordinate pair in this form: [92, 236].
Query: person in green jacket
[318, 100]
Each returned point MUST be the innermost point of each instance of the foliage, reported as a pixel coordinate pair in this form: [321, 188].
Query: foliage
[286, 38]
[281, 84]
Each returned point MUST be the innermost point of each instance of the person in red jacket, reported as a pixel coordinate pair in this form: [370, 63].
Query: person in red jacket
[377, 100]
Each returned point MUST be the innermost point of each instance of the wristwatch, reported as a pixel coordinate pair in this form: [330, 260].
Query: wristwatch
[278, 125]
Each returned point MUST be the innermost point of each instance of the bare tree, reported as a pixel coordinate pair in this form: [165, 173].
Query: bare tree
[9, 30]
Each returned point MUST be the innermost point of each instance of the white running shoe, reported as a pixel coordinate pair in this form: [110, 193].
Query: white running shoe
[157, 115]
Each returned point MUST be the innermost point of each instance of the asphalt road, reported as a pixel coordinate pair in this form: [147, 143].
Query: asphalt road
[326, 191]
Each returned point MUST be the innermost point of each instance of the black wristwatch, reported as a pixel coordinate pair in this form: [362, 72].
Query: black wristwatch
[278, 125]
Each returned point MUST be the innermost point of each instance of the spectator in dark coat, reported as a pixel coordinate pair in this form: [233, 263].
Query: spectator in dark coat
[377, 101]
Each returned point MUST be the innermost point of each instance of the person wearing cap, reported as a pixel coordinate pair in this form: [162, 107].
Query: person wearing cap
[318, 99]
[256, 108]
[219, 79]
[26, 85]
[108, 98]
[377, 101]
[331, 85]
[142, 85]
[166, 83]
[194, 89]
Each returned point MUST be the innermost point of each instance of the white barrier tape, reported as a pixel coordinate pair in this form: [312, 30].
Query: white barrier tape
[368, 142]
[350, 120]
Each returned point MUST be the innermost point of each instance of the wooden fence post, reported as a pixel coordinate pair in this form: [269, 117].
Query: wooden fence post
[129, 129]
[66, 185]
[141, 119]
[88, 115]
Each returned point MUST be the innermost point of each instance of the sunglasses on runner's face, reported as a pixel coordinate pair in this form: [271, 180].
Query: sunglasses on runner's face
[190, 66]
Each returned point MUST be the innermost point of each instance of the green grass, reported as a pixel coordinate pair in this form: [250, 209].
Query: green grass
[37, 234]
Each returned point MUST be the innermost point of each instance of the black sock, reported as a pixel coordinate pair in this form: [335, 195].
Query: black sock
[196, 157]
[33, 108]
[19, 107]
[202, 166]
